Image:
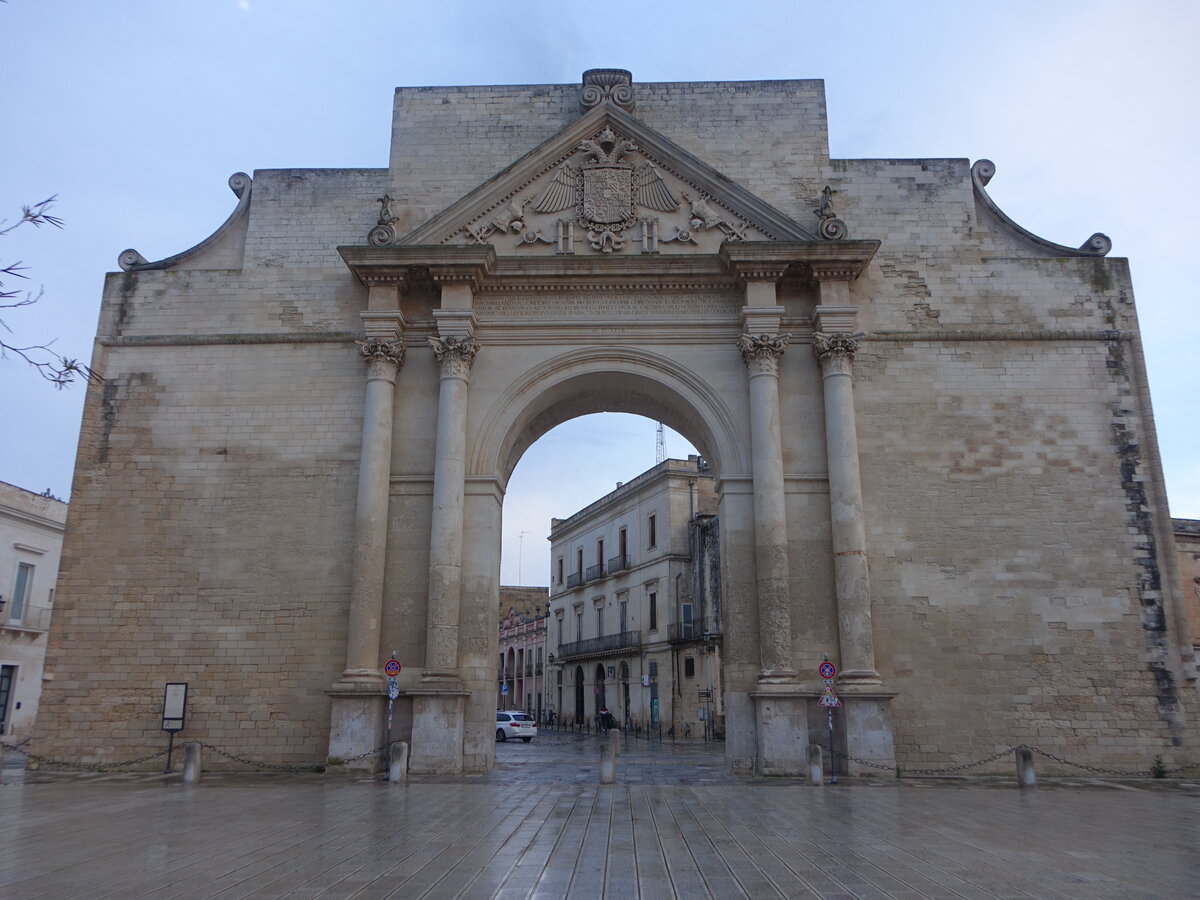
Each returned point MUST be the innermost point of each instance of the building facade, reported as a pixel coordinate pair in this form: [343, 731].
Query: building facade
[930, 434]
[635, 613]
[522, 668]
[31, 539]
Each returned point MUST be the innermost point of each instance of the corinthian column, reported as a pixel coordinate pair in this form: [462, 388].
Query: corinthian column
[761, 354]
[455, 357]
[383, 357]
[835, 354]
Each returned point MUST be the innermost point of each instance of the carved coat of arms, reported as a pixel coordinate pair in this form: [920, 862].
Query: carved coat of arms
[610, 192]
[606, 191]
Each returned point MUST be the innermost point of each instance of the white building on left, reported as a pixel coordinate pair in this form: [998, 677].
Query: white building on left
[31, 538]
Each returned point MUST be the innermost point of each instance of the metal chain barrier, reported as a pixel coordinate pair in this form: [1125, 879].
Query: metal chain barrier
[286, 768]
[1182, 769]
[20, 747]
[946, 770]
[1099, 771]
[380, 749]
[88, 767]
[865, 762]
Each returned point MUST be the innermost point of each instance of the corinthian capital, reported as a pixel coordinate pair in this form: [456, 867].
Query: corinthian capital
[455, 355]
[761, 352]
[835, 351]
[381, 353]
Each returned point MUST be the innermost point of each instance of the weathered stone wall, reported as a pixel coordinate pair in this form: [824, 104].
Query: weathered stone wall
[525, 603]
[212, 546]
[448, 140]
[215, 491]
[1016, 520]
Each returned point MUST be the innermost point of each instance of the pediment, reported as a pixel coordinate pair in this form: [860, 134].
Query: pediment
[607, 185]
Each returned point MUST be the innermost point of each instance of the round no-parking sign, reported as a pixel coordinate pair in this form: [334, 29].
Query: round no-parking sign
[391, 668]
[827, 669]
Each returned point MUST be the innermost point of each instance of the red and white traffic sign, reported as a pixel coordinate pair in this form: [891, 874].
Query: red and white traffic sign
[827, 669]
[829, 699]
[392, 668]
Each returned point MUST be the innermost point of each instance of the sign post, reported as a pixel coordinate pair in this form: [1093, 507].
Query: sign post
[173, 715]
[829, 700]
[705, 697]
[391, 669]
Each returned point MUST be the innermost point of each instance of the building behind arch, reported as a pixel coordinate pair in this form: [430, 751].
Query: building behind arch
[635, 605]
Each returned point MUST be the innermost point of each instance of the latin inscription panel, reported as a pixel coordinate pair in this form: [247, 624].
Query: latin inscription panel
[586, 306]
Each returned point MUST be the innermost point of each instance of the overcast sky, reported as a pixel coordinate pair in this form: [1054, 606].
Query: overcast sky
[136, 113]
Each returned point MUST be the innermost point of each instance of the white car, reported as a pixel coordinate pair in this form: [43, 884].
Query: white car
[515, 724]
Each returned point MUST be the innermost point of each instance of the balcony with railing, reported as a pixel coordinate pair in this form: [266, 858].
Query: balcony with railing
[596, 571]
[618, 564]
[597, 645]
[574, 580]
[25, 617]
[695, 630]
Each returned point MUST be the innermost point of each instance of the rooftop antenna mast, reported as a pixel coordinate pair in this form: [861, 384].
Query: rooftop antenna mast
[520, 552]
[660, 445]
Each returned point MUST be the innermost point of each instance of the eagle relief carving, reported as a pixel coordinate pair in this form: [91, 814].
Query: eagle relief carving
[615, 197]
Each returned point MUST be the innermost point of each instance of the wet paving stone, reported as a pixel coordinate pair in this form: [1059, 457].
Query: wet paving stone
[675, 824]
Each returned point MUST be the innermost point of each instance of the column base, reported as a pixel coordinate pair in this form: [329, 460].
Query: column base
[438, 730]
[439, 680]
[850, 678]
[356, 726]
[777, 676]
[868, 722]
[781, 724]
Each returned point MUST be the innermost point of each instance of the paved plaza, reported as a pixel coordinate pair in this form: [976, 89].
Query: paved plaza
[675, 825]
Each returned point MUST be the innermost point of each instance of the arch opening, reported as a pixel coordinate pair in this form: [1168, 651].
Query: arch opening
[619, 380]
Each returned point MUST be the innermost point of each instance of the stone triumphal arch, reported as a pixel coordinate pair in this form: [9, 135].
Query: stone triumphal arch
[930, 430]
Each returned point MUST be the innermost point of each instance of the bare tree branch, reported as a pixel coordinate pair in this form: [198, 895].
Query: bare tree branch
[58, 370]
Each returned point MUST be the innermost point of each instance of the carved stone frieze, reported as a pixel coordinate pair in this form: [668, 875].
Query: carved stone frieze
[761, 352]
[454, 355]
[702, 216]
[613, 86]
[508, 219]
[619, 197]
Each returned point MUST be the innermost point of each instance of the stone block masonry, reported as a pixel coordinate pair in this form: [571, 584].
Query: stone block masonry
[929, 431]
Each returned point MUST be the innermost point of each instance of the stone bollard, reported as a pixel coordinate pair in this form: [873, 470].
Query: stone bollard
[816, 765]
[1026, 777]
[608, 764]
[614, 742]
[398, 770]
[191, 762]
